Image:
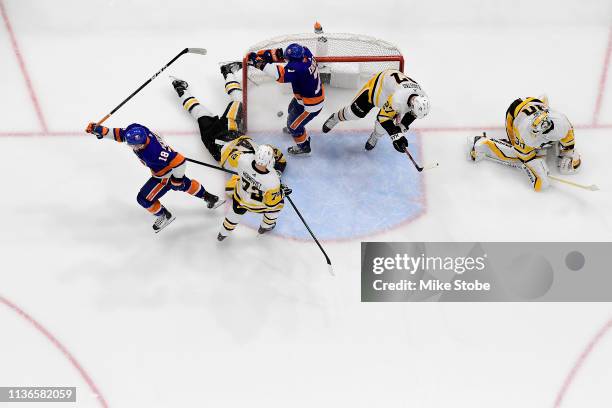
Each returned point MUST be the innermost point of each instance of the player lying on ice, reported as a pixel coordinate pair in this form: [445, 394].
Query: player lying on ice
[302, 73]
[400, 101]
[167, 168]
[532, 129]
[257, 186]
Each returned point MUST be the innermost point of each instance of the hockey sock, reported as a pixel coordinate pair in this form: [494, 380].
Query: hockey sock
[193, 106]
[233, 87]
[196, 189]
[346, 113]
[269, 220]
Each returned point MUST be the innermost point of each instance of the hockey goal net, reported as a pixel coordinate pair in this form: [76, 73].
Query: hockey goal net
[345, 60]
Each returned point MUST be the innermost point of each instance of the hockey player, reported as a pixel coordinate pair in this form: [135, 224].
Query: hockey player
[400, 101]
[302, 73]
[532, 129]
[257, 186]
[167, 167]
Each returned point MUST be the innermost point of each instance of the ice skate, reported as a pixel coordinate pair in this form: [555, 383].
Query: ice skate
[162, 221]
[179, 86]
[212, 201]
[302, 149]
[371, 142]
[221, 237]
[330, 123]
[230, 67]
[263, 230]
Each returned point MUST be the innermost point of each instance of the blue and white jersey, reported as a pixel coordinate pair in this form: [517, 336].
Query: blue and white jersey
[303, 75]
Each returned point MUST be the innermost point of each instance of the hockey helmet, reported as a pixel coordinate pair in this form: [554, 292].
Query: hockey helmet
[294, 51]
[264, 155]
[541, 123]
[136, 134]
[419, 105]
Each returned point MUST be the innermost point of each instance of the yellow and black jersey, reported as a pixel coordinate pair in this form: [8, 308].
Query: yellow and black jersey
[520, 119]
[253, 189]
[247, 145]
[381, 89]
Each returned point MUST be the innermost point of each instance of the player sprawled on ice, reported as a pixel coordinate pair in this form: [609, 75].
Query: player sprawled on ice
[400, 101]
[167, 168]
[257, 186]
[532, 129]
[302, 73]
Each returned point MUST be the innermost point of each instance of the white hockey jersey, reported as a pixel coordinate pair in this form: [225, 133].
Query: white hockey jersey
[253, 189]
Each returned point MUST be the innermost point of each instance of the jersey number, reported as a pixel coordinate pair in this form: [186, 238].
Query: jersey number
[163, 156]
[530, 110]
[256, 194]
[314, 71]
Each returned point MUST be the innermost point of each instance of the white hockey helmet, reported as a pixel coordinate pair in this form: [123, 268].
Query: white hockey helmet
[264, 155]
[419, 105]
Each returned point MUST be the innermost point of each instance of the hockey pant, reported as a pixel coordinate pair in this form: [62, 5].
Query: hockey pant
[361, 105]
[297, 119]
[503, 152]
[155, 188]
[216, 131]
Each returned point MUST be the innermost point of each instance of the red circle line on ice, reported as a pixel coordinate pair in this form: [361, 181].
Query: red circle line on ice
[73, 361]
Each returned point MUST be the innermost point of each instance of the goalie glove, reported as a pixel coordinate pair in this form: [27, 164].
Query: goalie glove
[98, 130]
[400, 143]
[569, 163]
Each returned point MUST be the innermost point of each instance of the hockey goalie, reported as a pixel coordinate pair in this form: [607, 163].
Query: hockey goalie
[534, 132]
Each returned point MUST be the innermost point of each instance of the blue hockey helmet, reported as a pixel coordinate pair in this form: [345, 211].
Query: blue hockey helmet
[294, 52]
[136, 134]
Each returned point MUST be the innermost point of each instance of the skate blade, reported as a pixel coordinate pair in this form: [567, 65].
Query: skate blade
[165, 225]
[218, 204]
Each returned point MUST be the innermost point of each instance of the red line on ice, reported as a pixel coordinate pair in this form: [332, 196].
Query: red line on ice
[59, 346]
[603, 79]
[22, 66]
[171, 132]
[580, 362]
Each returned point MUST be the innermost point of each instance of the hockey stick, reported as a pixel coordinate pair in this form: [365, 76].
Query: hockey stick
[200, 51]
[329, 264]
[212, 166]
[592, 187]
[419, 168]
[516, 165]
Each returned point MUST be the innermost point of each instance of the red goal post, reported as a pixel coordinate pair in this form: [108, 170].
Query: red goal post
[368, 54]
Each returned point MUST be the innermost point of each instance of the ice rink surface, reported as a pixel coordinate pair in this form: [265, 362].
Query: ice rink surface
[90, 297]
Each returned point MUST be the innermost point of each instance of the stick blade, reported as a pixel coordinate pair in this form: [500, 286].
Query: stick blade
[201, 51]
[331, 270]
[593, 187]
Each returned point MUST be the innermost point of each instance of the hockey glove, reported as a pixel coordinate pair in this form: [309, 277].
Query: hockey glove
[569, 164]
[256, 61]
[285, 190]
[98, 130]
[400, 143]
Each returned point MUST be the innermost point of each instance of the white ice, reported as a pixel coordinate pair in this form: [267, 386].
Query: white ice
[176, 319]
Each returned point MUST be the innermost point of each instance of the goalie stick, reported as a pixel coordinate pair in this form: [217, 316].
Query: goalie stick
[517, 165]
[201, 51]
[329, 264]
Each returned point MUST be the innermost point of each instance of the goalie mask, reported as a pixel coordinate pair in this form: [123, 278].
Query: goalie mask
[541, 123]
